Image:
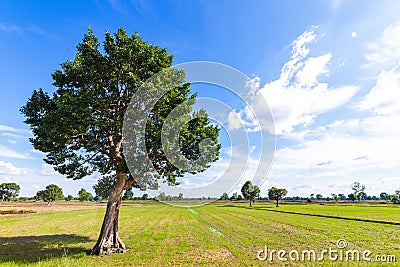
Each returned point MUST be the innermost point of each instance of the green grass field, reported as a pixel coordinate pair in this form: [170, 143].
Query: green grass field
[220, 234]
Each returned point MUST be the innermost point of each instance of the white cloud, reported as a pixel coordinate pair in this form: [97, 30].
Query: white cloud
[313, 67]
[6, 168]
[384, 97]
[297, 97]
[385, 50]
[245, 119]
[234, 121]
[13, 132]
[9, 28]
[8, 153]
[47, 170]
[37, 152]
[6, 128]
[13, 135]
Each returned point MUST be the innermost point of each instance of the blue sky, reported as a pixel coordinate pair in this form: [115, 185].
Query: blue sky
[329, 70]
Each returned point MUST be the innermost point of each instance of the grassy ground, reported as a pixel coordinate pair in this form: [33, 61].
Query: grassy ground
[212, 235]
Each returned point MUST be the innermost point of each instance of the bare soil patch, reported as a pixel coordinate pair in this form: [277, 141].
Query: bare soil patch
[20, 207]
[2, 212]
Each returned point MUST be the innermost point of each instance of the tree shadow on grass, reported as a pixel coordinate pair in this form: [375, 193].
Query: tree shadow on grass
[312, 215]
[30, 249]
[334, 217]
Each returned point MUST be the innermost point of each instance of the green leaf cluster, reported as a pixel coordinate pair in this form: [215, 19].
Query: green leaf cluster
[9, 191]
[51, 193]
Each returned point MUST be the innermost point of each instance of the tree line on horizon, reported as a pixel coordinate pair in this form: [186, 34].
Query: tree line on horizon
[250, 192]
[358, 194]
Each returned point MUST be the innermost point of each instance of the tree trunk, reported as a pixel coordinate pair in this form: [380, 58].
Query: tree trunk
[251, 202]
[277, 202]
[109, 241]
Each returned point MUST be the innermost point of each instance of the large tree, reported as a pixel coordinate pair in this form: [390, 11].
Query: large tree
[80, 126]
[276, 194]
[9, 191]
[250, 192]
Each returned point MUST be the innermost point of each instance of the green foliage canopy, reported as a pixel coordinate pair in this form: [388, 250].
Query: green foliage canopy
[104, 186]
[51, 193]
[9, 191]
[276, 194]
[250, 191]
[84, 195]
[79, 127]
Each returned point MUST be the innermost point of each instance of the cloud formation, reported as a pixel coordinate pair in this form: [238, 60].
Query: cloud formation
[6, 168]
[362, 146]
[298, 96]
[385, 50]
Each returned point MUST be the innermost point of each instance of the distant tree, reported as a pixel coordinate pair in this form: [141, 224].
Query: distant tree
[250, 192]
[104, 186]
[128, 195]
[239, 197]
[318, 196]
[276, 194]
[358, 190]
[383, 196]
[234, 196]
[363, 196]
[224, 196]
[312, 196]
[335, 197]
[162, 196]
[84, 195]
[395, 199]
[342, 197]
[54, 192]
[69, 198]
[41, 195]
[352, 197]
[51, 193]
[9, 191]
[396, 196]
[180, 196]
[145, 196]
